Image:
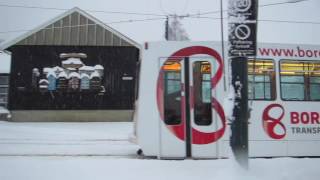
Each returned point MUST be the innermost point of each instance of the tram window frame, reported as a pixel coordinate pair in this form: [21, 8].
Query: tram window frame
[314, 83]
[272, 82]
[306, 80]
[165, 98]
[202, 107]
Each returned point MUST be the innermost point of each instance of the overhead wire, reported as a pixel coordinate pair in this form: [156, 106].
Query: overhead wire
[88, 10]
[286, 21]
[108, 23]
[154, 19]
[134, 13]
[163, 16]
[218, 11]
[266, 20]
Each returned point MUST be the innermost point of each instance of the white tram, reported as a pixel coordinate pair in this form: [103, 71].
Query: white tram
[180, 110]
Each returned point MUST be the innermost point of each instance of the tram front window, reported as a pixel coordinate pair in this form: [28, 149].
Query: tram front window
[202, 93]
[172, 93]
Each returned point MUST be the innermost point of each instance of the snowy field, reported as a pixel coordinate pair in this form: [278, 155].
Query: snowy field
[66, 139]
[82, 151]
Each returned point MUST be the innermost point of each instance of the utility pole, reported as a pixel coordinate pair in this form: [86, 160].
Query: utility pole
[242, 16]
[239, 126]
[166, 35]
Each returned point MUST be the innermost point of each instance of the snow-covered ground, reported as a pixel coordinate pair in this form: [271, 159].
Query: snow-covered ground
[82, 151]
[66, 139]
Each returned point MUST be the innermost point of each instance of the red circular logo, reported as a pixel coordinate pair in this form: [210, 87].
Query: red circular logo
[270, 123]
[198, 137]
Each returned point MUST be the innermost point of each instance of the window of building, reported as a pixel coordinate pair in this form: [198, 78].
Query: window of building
[4, 80]
[3, 98]
[261, 80]
[300, 80]
[3, 90]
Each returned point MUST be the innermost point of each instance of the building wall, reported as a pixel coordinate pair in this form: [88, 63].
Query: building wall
[5, 61]
[4, 83]
[118, 62]
[75, 29]
[71, 115]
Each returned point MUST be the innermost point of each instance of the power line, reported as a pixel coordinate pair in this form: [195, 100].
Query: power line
[267, 20]
[135, 20]
[278, 3]
[113, 22]
[89, 10]
[284, 21]
[132, 13]
[198, 15]
[218, 11]
[153, 19]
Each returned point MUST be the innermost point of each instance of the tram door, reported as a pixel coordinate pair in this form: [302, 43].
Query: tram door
[187, 125]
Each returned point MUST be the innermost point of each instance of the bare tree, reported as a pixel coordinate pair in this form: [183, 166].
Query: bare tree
[176, 32]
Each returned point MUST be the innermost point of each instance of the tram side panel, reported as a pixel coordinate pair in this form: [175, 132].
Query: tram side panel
[151, 130]
[147, 115]
[278, 126]
[154, 136]
[286, 123]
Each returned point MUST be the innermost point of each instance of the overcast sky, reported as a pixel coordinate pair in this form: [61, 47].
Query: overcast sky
[204, 29]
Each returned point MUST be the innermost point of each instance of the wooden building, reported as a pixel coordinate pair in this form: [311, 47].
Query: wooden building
[106, 56]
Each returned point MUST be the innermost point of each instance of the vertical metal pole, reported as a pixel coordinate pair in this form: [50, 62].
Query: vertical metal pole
[239, 127]
[167, 29]
[187, 107]
[242, 43]
[222, 45]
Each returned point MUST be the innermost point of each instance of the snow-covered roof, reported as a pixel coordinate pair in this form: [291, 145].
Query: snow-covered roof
[47, 70]
[98, 67]
[72, 60]
[94, 74]
[36, 71]
[83, 75]
[63, 74]
[87, 68]
[76, 55]
[57, 68]
[71, 69]
[74, 74]
[43, 81]
[51, 73]
[8, 44]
